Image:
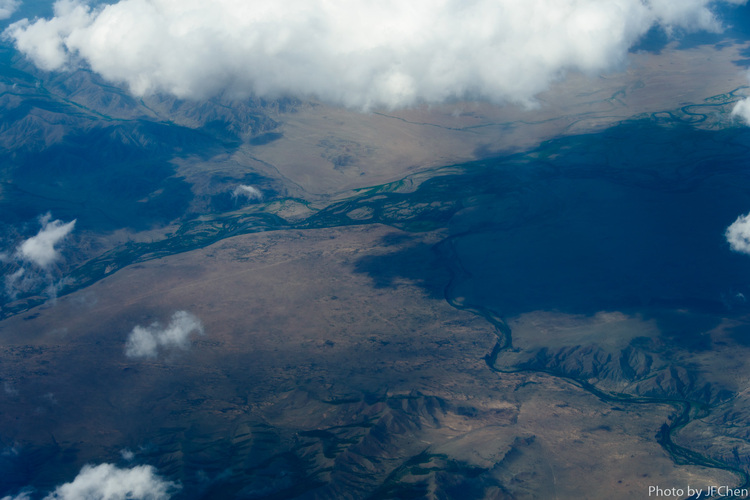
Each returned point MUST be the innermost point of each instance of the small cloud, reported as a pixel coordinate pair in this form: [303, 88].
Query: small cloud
[8, 7]
[23, 495]
[742, 110]
[144, 342]
[12, 451]
[108, 482]
[738, 234]
[10, 389]
[40, 249]
[15, 282]
[127, 455]
[32, 260]
[249, 192]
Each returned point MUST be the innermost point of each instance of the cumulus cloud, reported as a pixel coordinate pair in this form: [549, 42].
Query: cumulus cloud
[738, 234]
[355, 52]
[31, 262]
[108, 482]
[144, 342]
[16, 282]
[249, 192]
[742, 110]
[24, 495]
[8, 7]
[40, 249]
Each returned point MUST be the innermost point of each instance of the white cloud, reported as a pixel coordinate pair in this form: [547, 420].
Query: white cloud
[24, 495]
[688, 14]
[8, 7]
[31, 269]
[249, 192]
[738, 234]
[108, 482]
[144, 342]
[742, 110]
[40, 249]
[356, 52]
[15, 282]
